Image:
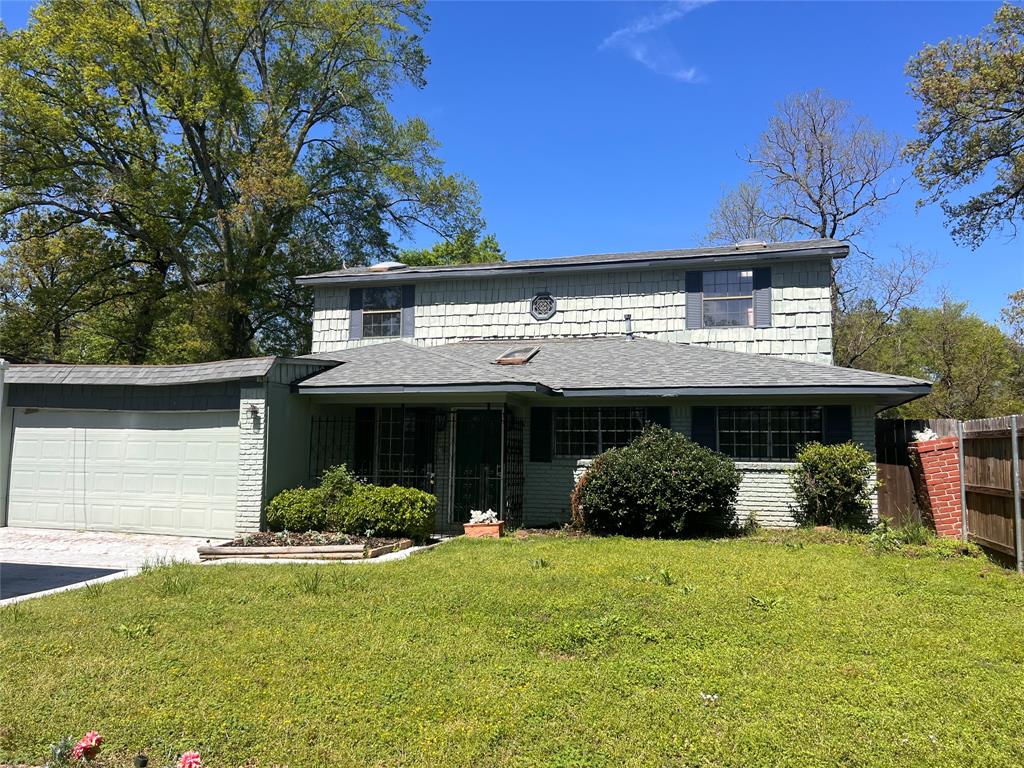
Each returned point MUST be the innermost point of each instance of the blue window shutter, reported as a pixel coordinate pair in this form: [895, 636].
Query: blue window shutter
[541, 437]
[704, 425]
[408, 310]
[694, 299]
[763, 297]
[355, 313]
[837, 424]
[660, 415]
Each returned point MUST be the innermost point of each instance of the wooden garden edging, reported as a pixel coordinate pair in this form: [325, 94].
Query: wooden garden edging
[324, 552]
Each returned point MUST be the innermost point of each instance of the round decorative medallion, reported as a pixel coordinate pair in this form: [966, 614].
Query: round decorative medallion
[542, 306]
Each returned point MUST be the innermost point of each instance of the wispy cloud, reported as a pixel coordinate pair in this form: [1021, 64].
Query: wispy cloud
[639, 40]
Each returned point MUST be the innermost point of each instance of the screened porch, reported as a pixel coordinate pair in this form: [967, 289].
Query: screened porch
[468, 457]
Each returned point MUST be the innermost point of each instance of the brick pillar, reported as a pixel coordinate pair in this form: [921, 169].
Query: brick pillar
[937, 478]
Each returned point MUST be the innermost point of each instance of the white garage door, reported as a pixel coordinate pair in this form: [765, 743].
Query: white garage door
[145, 472]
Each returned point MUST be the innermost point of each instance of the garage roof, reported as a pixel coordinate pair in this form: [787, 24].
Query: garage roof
[147, 375]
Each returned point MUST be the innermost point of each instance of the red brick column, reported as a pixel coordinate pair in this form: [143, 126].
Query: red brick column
[937, 477]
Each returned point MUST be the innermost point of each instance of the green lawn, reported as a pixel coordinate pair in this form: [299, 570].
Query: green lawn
[546, 651]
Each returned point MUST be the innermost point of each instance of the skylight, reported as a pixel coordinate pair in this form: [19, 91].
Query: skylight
[517, 356]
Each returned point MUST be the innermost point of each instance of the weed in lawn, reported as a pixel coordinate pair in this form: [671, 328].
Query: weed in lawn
[95, 589]
[767, 604]
[709, 699]
[539, 563]
[310, 581]
[661, 576]
[136, 630]
[14, 613]
[687, 589]
[176, 581]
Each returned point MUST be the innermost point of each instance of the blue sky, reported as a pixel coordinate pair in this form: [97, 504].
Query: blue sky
[587, 136]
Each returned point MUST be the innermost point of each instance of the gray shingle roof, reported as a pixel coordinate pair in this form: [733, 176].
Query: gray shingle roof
[582, 366]
[633, 259]
[140, 375]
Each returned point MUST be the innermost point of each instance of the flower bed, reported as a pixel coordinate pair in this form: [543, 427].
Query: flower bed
[312, 545]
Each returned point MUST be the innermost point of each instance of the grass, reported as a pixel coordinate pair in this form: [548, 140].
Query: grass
[775, 650]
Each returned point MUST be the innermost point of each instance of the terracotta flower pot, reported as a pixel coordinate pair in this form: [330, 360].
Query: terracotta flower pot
[484, 530]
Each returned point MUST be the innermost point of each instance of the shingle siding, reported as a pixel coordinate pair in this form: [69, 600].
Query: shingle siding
[594, 304]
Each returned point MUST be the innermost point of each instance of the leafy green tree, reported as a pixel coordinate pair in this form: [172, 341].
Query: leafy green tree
[53, 279]
[969, 362]
[465, 248]
[971, 126]
[229, 145]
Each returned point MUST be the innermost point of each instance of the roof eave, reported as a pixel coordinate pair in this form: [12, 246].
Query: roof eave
[512, 268]
[904, 393]
[421, 389]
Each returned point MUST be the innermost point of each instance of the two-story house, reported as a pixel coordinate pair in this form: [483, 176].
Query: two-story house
[485, 384]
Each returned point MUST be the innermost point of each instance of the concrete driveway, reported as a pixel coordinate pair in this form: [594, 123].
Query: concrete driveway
[36, 561]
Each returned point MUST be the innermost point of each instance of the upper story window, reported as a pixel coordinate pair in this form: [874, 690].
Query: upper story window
[729, 298]
[382, 312]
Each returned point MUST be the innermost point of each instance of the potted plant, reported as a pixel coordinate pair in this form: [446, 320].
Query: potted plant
[484, 524]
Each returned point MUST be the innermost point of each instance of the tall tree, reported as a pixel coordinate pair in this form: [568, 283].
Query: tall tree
[231, 144]
[821, 171]
[53, 278]
[969, 362]
[467, 247]
[971, 125]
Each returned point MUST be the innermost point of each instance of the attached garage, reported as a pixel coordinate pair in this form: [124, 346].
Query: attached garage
[164, 449]
[141, 472]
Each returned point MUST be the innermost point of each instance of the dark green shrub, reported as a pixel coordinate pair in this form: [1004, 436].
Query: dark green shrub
[387, 511]
[297, 509]
[662, 484]
[833, 485]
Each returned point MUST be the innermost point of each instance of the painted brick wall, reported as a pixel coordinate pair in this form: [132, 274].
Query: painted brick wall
[594, 304]
[937, 479]
[764, 490]
[252, 431]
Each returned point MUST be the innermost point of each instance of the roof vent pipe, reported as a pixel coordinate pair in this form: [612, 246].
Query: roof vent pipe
[629, 326]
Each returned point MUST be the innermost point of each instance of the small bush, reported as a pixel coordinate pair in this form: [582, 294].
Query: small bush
[833, 485]
[387, 511]
[662, 484]
[337, 485]
[298, 509]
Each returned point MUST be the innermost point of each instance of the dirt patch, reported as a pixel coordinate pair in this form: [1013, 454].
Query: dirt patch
[308, 539]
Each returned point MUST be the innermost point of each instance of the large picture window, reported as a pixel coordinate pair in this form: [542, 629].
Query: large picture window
[382, 312]
[583, 432]
[729, 298]
[755, 433]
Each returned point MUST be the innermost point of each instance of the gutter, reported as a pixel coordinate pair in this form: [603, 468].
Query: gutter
[912, 391]
[512, 268]
[422, 389]
[4, 449]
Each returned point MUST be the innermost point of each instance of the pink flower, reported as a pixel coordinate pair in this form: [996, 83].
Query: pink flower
[190, 760]
[87, 747]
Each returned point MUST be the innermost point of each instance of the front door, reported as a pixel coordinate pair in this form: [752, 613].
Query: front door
[477, 467]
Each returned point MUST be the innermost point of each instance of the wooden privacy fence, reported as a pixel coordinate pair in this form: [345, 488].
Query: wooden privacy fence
[990, 477]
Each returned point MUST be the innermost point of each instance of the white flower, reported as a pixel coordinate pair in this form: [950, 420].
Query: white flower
[476, 516]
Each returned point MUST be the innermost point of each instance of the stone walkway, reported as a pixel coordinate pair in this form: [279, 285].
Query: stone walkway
[94, 549]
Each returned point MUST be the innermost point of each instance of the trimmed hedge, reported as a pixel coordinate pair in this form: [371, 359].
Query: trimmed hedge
[341, 504]
[662, 484]
[833, 485]
[298, 509]
[388, 511]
